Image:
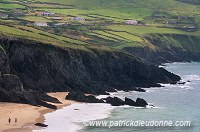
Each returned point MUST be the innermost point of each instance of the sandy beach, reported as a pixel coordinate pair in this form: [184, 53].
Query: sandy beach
[26, 115]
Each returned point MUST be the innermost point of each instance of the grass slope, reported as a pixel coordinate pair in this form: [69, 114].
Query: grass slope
[105, 22]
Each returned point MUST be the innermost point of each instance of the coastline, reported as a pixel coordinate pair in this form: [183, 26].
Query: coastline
[27, 115]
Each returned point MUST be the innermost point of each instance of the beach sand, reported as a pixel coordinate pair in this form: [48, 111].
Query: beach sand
[27, 115]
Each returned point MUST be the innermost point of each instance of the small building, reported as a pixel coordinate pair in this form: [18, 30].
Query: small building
[131, 22]
[78, 19]
[48, 14]
[41, 24]
[56, 18]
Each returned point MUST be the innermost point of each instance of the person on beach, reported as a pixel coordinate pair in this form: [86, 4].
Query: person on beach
[9, 120]
[15, 120]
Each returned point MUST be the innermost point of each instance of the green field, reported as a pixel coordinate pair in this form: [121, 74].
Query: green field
[104, 24]
[11, 6]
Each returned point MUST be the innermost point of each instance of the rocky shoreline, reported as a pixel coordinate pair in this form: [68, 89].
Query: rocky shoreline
[29, 70]
[114, 101]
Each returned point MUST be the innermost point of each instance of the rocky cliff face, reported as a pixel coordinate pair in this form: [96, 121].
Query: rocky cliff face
[169, 48]
[166, 55]
[47, 68]
[28, 70]
[12, 89]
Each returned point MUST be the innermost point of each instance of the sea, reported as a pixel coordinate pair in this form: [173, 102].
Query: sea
[179, 102]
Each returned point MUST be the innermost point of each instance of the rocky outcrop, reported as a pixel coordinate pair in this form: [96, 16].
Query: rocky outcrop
[81, 97]
[11, 90]
[140, 90]
[41, 125]
[29, 69]
[130, 102]
[114, 101]
[48, 68]
[141, 102]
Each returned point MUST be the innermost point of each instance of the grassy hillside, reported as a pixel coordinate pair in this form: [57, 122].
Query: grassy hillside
[104, 25]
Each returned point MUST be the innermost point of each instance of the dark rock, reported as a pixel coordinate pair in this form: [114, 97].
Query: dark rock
[28, 70]
[81, 97]
[130, 102]
[152, 106]
[114, 101]
[181, 82]
[12, 82]
[141, 102]
[173, 83]
[140, 90]
[41, 124]
[12, 90]
[156, 85]
[48, 68]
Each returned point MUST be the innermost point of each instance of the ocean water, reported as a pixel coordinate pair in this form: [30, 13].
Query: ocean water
[173, 103]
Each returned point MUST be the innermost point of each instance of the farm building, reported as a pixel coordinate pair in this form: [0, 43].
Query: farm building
[41, 24]
[131, 22]
[56, 18]
[48, 14]
[78, 18]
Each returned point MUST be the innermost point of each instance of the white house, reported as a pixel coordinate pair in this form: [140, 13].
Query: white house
[56, 18]
[48, 13]
[131, 22]
[78, 18]
[41, 24]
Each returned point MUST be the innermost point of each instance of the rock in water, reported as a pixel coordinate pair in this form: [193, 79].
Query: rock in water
[181, 83]
[140, 90]
[141, 102]
[114, 101]
[130, 102]
[81, 97]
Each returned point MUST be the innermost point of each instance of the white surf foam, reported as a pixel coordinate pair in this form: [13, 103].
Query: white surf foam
[191, 77]
[71, 118]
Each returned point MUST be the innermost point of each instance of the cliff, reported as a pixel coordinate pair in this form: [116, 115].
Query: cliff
[46, 68]
[168, 48]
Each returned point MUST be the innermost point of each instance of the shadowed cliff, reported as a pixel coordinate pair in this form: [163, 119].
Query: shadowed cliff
[46, 68]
